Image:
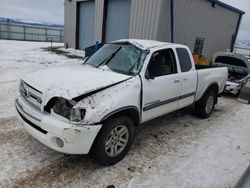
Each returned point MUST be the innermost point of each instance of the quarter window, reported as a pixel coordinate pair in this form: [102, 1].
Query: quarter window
[184, 59]
[198, 46]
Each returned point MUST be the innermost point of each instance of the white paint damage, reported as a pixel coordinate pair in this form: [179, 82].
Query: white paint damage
[176, 151]
[126, 91]
[71, 81]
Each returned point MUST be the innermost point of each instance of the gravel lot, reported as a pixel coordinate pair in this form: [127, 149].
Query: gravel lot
[177, 150]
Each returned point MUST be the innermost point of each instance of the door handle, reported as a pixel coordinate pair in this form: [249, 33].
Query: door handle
[184, 78]
[176, 80]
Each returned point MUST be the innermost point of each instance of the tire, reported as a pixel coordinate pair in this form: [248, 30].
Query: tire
[205, 106]
[113, 141]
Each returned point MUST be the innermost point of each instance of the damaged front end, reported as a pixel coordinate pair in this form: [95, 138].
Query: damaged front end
[64, 109]
[238, 70]
[60, 126]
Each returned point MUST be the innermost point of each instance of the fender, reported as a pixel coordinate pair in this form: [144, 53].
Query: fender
[120, 110]
[209, 86]
[79, 98]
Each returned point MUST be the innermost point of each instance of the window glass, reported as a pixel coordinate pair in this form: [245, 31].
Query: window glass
[198, 46]
[162, 63]
[122, 58]
[184, 59]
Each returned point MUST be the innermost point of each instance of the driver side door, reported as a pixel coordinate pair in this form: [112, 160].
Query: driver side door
[161, 85]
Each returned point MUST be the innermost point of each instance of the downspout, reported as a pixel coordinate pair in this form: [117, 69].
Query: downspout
[172, 20]
[236, 32]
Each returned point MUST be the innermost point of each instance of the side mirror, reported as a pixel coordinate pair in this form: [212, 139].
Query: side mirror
[148, 76]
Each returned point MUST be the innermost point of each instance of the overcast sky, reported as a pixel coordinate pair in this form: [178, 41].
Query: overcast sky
[41, 10]
[244, 5]
[53, 11]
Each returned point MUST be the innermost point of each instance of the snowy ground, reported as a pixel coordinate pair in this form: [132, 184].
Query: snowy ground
[177, 150]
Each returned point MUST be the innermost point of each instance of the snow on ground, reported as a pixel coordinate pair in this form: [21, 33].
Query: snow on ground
[19, 58]
[72, 51]
[177, 150]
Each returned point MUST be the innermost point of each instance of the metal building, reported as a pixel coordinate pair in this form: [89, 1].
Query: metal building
[206, 26]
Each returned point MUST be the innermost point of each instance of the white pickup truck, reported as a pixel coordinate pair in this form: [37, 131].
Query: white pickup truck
[94, 107]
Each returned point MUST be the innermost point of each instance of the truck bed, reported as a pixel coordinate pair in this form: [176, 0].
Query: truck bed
[208, 75]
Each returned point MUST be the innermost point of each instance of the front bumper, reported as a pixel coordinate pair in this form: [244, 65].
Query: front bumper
[232, 87]
[53, 132]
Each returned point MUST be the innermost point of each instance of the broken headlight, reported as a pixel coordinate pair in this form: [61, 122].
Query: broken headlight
[65, 109]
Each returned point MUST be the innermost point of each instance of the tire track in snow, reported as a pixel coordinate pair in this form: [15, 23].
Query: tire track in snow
[163, 136]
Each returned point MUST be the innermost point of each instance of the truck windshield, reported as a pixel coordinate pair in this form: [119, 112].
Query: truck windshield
[121, 58]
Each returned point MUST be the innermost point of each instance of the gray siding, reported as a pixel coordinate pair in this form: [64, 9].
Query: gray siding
[70, 9]
[164, 31]
[70, 23]
[98, 20]
[144, 20]
[150, 19]
[197, 18]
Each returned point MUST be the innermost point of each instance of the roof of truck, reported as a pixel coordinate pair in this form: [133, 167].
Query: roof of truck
[144, 44]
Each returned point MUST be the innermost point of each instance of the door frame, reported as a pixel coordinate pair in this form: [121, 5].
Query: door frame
[104, 20]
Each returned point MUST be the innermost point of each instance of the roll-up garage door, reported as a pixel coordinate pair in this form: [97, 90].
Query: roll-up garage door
[117, 22]
[86, 23]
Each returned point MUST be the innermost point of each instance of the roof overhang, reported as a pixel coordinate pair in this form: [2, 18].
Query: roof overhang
[227, 6]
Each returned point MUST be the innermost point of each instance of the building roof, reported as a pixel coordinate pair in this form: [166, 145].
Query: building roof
[227, 6]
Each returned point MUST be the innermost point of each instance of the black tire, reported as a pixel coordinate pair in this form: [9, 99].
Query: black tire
[201, 108]
[99, 151]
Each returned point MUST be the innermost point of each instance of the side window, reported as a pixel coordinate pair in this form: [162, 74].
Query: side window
[198, 46]
[184, 58]
[162, 63]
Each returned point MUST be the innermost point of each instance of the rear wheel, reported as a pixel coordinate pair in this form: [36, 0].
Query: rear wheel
[114, 140]
[204, 107]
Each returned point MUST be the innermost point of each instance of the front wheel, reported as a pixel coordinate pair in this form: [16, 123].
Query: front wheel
[204, 107]
[114, 140]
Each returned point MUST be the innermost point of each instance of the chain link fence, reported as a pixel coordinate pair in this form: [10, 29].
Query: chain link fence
[11, 31]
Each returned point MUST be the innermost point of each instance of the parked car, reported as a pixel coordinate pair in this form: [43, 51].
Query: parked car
[95, 107]
[238, 70]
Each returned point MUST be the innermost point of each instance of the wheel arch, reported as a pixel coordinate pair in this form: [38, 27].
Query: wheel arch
[130, 111]
[213, 86]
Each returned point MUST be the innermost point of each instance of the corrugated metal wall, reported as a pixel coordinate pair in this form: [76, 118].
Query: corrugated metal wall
[70, 21]
[25, 32]
[197, 18]
[98, 20]
[144, 20]
[150, 19]
[164, 28]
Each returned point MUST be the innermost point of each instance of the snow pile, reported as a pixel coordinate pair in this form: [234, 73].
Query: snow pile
[79, 53]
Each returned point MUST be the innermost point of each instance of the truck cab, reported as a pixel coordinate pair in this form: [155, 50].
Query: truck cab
[95, 107]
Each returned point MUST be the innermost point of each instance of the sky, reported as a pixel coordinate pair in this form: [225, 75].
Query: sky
[40, 10]
[53, 11]
[244, 32]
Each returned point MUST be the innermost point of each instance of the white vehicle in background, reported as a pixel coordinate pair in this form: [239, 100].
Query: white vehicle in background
[238, 70]
[95, 107]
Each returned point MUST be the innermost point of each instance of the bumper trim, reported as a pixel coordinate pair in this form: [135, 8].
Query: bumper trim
[32, 124]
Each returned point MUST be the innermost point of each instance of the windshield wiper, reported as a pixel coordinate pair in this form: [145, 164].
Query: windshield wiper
[106, 61]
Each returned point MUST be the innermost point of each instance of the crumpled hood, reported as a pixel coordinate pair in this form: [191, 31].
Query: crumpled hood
[71, 81]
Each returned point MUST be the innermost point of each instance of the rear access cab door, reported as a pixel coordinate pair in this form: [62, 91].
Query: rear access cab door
[166, 86]
[189, 76]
